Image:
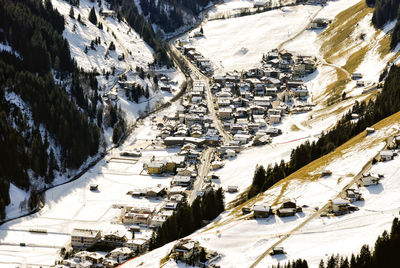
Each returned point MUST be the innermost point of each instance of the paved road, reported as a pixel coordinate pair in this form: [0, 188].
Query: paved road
[203, 169]
[197, 75]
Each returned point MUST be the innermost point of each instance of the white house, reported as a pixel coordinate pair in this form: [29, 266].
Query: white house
[84, 237]
[368, 180]
[275, 118]
[386, 155]
[339, 205]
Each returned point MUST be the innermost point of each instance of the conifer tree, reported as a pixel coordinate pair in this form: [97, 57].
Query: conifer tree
[71, 13]
[92, 16]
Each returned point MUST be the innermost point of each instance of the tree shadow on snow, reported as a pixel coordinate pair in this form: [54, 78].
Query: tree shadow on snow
[279, 257]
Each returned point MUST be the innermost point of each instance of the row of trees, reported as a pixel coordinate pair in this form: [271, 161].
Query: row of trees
[189, 218]
[384, 254]
[385, 11]
[294, 264]
[169, 19]
[134, 92]
[386, 104]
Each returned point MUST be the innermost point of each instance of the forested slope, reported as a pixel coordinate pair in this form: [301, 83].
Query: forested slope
[42, 130]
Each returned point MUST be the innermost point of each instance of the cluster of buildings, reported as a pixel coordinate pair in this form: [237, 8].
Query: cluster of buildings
[195, 57]
[287, 209]
[87, 238]
[142, 217]
[165, 84]
[285, 65]
[86, 259]
[124, 246]
[190, 252]
[191, 123]
[252, 102]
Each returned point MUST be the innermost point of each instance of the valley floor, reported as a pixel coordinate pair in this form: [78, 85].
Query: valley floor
[233, 44]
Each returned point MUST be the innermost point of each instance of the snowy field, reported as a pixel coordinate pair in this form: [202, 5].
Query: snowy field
[233, 7]
[239, 43]
[321, 237]
[73, 205]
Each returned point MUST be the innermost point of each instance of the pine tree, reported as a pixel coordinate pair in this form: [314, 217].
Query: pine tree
[258, 181]
[345, 263]
[134, 94]
[71, 13]
[147, 92]
[364, 259]
[111, 46]
[92, 16]
[203, 255]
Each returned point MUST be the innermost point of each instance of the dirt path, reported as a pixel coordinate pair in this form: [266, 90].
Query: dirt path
[325, 63]
[280, 46]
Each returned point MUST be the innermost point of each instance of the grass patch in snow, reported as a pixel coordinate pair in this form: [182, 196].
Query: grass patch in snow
[355, 59]
[336, 36]
[164, 260]
[384, 45]
[281, 193]
[335, 89]
[294, 128]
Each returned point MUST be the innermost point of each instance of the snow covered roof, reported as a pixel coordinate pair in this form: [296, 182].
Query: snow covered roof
[261, 208]
[85, 233]
[340, 201]
[386, 153]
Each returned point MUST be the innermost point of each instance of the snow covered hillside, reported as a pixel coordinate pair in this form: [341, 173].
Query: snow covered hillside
[296, 129]
[80, 35]
[130, 53]
[304, 235]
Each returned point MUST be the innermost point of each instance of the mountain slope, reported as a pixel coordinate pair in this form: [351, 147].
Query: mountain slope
[43, 131]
